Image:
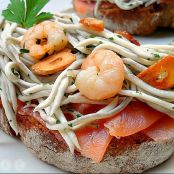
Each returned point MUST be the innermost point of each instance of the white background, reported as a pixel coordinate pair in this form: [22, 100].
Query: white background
[15, 157]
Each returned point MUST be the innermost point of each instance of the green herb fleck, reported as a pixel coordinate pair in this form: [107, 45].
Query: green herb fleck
[66, 95]
[22, 51]
[100, 42]
[78, 116]
[70, 125]
[26, 12]
[0, 89]
[64, 32]
[156, 55]
[111, 38]
[92, 36]
[71, 20]
[72, 78]
[15, 72]
[119, 36]
[57, 121]
[90, 46]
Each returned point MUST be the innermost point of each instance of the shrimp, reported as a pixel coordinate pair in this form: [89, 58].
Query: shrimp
[44, 38]
[102, 75]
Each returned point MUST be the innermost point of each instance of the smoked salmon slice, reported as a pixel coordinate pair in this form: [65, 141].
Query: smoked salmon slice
[161, 130]
[94, 140]
[136, 117]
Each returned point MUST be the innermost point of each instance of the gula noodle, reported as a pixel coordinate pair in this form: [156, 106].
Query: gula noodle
[55, 92]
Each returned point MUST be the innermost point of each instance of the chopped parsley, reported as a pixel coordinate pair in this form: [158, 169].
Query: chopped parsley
[111, 38]
[93, 46]
[64, 32]
[92, 36]
[26, 12]
[15, 72]
[71, 78]
[90, 46]
[119, 36]
[78, 115]
[57, 121]
[66, 95]
[156, 55]
[71, 20]
[70, 125]
[22, 51]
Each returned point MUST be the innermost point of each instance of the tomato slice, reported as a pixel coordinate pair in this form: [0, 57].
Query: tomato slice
[94, 140]
[161, 130]
[136, 117]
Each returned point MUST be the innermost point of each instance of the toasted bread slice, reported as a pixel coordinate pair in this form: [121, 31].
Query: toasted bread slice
[139, 21]
[132, 154]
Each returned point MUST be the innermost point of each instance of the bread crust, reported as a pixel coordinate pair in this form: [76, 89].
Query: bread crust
[4, 124]
[133, 154]
[139, 21]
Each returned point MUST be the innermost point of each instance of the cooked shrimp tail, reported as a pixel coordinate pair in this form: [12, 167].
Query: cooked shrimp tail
[44, 38]
[102, 75]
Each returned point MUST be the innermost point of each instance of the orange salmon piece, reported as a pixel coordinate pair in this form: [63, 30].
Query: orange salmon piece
[161, 130]
[94, 140]
[136, 117]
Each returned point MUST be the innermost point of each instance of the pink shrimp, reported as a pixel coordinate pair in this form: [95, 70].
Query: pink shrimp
[102, 75]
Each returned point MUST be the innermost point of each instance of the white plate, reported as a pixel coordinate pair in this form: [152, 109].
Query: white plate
[16, 158]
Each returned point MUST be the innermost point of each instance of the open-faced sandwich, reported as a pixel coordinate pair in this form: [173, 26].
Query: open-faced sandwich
[141, 17]
[83, 98]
